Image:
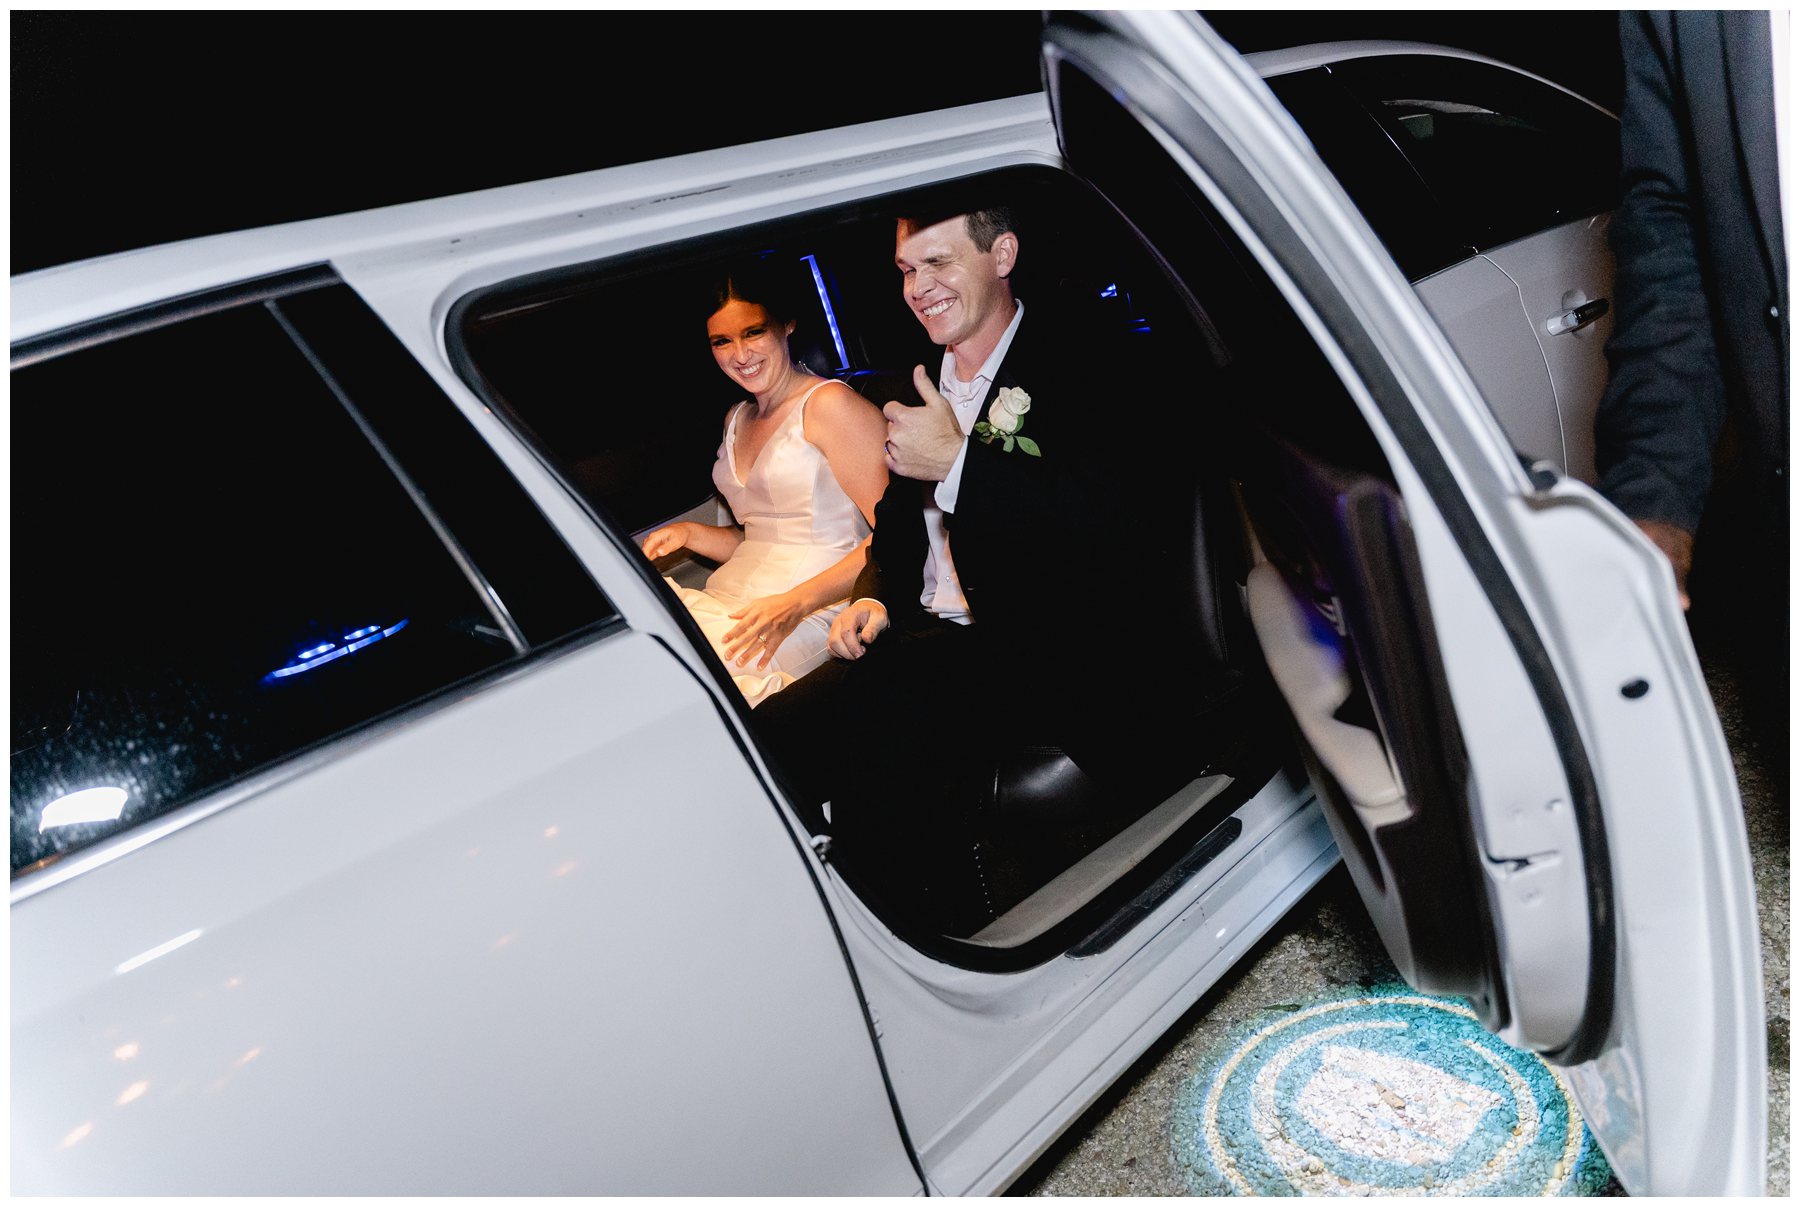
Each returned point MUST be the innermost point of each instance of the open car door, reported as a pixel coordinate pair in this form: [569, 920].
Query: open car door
[1487, 666]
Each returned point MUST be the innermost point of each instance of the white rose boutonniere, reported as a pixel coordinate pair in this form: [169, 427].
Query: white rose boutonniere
[1005, 418]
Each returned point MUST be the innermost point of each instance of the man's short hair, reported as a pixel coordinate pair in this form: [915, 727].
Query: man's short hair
[987, 225]
[983, 225]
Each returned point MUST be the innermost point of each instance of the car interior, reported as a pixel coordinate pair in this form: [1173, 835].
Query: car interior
[603, 369]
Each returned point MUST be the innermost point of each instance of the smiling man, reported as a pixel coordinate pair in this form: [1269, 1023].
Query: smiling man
[956, 277]
[1014, 539]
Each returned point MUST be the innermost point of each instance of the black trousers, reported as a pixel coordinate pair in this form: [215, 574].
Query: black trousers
[899, 741]
[1741, 610]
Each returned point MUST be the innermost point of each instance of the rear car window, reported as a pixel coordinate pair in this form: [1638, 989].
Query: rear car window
[1386, 188]
[1506, 155]
[213, 569]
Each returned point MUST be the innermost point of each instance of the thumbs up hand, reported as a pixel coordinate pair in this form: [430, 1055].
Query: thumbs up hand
[922, 441]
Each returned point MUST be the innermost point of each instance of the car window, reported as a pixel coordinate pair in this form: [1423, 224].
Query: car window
[1506, 155]
[213, 569]
[1385, 186]
[529, 574]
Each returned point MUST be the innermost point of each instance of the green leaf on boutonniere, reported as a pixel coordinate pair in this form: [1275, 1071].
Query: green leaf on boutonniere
[1029, 445]
[1006, 443]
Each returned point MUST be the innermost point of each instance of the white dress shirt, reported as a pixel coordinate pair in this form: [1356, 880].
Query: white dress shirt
[942, 594]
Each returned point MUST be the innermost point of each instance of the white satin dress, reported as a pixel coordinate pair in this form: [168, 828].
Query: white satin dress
[797, 522]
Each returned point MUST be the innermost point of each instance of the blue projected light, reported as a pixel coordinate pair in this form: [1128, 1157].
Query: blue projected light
[837, 337]
[1381, 1092]
[318, 656]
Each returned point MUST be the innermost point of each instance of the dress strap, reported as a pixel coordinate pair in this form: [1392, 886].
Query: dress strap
[731, 423]
[801, 405]
[731, 419]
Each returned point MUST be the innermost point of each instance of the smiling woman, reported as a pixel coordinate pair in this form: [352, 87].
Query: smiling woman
[800, 469]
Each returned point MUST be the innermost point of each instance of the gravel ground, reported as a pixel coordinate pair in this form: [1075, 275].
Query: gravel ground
[1326, 944]
[1759, 751]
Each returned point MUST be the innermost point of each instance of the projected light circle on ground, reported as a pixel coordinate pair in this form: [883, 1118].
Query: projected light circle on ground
[1388, 1092]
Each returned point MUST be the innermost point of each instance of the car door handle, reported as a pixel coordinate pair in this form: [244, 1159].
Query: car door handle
[1576, 319]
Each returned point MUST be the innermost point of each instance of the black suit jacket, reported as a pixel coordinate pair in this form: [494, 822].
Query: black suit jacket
[1072, 561]
[1027, 528]
[1702, 323]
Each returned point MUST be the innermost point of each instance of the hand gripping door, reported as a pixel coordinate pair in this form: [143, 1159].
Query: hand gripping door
[1501, 708]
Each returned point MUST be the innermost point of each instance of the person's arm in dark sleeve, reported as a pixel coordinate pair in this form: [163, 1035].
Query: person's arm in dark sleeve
[1664, 404]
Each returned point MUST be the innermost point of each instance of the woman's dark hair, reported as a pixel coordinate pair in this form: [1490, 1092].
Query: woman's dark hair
[748, 281]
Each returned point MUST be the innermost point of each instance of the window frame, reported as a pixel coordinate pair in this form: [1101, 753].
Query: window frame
[527, 653]
[1437, 242]
[1365, 79]
[1093, 927]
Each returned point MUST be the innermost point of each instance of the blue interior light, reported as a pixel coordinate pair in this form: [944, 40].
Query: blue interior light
[1111, 291]
[330, 652]
[837, 337]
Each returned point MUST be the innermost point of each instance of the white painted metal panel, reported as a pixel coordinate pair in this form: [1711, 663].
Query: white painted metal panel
[1478, 307]
[550, 939]
[1557, 271]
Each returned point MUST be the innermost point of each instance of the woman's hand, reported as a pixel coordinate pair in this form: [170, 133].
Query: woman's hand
[762, 625]
[668, 539]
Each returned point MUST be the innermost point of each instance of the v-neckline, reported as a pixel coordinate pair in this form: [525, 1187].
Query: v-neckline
[743, 479]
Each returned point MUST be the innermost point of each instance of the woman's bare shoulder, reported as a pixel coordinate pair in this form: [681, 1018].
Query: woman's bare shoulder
[837, 403]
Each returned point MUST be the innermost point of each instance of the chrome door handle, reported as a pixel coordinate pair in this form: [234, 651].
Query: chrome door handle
[1576, 319]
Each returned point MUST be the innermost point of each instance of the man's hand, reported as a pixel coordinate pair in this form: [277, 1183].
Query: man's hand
[922, 441]
[1677, 544]
[856, 628]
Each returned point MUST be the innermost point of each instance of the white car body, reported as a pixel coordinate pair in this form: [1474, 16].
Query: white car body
[560, 933]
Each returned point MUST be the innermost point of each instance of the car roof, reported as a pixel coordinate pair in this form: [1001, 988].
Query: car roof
[761, 174]
[1286, 60]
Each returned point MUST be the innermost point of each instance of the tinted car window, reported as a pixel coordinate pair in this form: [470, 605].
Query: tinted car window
[1363, 156]
[1506, 155]
[212, 569]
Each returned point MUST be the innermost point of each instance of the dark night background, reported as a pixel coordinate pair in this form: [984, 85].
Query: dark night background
[136, 128]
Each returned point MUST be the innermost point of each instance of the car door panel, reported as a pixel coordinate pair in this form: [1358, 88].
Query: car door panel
[1568, 673]
[1528, 173]
[1478, 307]
[1559, 272]
[545, 939]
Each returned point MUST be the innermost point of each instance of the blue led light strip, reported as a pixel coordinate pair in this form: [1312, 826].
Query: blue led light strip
[320, 655]
[830, 314]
